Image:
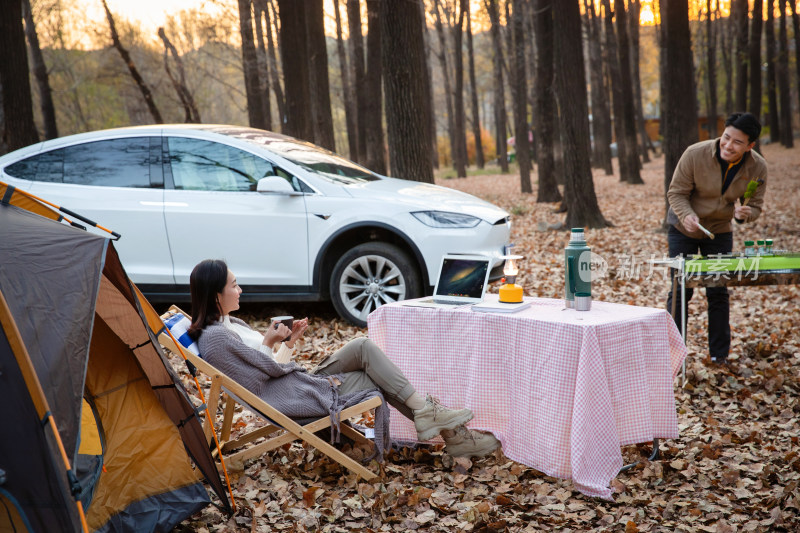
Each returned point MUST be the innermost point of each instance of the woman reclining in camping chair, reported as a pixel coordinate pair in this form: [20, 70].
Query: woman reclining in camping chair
[354, 373]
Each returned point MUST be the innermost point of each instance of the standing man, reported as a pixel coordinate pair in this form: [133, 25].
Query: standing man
[709, 179]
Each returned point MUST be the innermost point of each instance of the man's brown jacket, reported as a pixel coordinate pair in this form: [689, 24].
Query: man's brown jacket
[696, 188]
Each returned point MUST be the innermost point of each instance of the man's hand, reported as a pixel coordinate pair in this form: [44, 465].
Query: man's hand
[691, 223]
[742, 212]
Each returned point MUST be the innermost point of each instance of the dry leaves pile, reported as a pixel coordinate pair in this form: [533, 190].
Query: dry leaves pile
[735, 467]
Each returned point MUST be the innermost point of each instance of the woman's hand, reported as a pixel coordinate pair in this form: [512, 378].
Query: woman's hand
[298, 328]
[276, 332]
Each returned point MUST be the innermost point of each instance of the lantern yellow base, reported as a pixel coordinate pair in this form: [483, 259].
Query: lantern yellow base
[510, 293]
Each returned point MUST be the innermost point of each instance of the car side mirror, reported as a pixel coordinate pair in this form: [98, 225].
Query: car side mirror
[275, 185]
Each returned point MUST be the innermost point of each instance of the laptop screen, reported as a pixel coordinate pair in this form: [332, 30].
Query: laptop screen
[462, 277]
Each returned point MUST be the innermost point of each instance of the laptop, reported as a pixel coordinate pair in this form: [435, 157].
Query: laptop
[462, 280]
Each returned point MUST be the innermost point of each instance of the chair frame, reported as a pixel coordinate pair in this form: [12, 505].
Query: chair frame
[231, 393]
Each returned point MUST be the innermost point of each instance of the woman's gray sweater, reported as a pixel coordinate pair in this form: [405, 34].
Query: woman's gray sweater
[289, 388]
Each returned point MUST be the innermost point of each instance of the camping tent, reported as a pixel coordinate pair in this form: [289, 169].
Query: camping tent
[77, 344]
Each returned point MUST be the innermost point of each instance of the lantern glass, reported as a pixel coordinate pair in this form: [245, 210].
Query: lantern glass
[511, 268]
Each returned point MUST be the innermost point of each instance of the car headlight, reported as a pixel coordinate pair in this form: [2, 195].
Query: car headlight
[444, 219]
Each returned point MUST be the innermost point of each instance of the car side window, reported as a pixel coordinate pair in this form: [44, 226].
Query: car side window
[210, 166]
[112, 163]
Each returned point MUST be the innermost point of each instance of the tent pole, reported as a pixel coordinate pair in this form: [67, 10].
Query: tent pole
[70, 474]
[69, 212]
[37, 394]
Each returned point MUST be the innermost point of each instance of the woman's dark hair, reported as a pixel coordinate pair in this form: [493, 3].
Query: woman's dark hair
[207, 280]
[746, 123]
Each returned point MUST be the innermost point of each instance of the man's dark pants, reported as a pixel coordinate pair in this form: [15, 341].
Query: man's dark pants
[719, 329]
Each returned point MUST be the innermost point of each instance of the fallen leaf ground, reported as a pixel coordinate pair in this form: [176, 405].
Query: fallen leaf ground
[735, 467]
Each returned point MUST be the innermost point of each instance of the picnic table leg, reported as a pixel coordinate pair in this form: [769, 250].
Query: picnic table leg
[684, 318]
[674, 295]
[653, 457]
[684, 310]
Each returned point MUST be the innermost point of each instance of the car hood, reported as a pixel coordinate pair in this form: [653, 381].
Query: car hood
[424, 196]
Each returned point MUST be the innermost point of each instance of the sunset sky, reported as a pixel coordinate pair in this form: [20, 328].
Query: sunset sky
[151, 14]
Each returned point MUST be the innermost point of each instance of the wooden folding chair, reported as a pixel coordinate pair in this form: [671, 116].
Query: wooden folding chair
[239, 450]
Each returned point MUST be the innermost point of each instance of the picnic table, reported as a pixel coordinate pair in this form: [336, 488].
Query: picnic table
[562, 389]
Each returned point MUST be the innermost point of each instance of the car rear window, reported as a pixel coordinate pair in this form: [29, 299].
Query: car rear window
[110, 163]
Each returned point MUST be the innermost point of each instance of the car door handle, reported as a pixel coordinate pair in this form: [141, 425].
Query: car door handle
[165, 204]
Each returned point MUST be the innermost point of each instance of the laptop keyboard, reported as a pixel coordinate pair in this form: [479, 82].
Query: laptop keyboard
[449, 302]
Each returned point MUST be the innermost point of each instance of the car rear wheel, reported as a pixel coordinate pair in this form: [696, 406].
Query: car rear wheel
[370, 275]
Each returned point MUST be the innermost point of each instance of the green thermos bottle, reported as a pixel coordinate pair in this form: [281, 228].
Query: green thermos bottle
[577, 267]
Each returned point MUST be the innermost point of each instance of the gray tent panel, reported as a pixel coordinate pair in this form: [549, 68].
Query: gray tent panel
[37, 484]
[52, 297]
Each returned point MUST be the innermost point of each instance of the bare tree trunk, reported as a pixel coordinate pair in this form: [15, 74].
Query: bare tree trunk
[476, 119]
[294, 57]
[782, 71]
[601, 116]
[755, 58]
[40, 74]
[280, 101]
[347, 91]
[530, 69]
[558, 145]
[318, 83]
[631, 168]
[460, 156]
[3, 144]
[359, 74]
[636, 9]
[374, 104]
[260, 11]
[448, 92]
[726, 38]
[126, 57]
[772, 95]
[256, 110]
[509, 36]
[680, 111]
[544, 101]
[711, 73]
[500, 117]
[429, 86]
[739, 15]
[20, 130]
[520, 95]
[615, 77]
[191, 114]
[796, 26]
[579, 195]
[403, 56]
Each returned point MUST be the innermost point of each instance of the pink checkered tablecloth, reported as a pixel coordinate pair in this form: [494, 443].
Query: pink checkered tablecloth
[563, 390]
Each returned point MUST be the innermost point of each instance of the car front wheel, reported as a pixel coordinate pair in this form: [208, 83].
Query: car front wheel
[370, 275]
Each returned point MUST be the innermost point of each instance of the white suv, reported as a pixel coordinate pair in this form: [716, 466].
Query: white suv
[294, 221]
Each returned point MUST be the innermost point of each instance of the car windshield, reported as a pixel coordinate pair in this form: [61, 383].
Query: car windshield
[313, 158]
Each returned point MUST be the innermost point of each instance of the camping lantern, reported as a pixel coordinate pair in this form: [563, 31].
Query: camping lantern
[511, 293]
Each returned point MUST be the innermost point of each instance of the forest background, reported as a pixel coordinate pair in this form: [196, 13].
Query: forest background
[488, 71]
